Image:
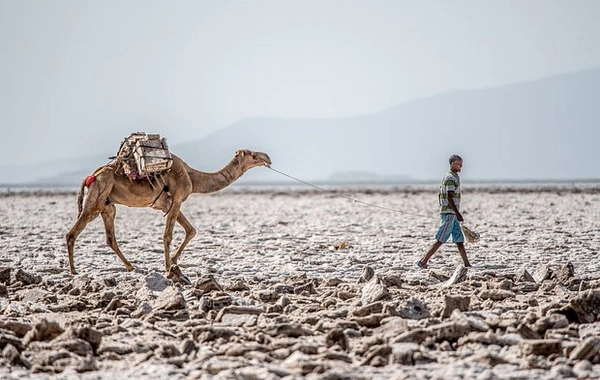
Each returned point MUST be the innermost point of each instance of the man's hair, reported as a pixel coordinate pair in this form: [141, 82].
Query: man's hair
[454, 157]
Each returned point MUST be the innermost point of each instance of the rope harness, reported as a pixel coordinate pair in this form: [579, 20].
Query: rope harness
[470, 236]
[350, 198]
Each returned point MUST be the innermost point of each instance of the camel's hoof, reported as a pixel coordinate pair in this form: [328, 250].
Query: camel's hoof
[174, 274]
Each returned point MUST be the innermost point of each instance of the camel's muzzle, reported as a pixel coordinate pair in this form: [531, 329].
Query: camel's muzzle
[266, 160]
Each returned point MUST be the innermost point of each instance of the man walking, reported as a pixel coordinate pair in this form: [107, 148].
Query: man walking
[449, 199]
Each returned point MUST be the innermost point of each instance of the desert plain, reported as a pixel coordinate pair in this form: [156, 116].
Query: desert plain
[288, 282]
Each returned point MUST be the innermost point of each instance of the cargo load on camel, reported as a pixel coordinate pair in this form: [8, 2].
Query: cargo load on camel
[144, 155]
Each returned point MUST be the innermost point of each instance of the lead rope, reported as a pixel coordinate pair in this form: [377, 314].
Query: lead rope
[350, 198]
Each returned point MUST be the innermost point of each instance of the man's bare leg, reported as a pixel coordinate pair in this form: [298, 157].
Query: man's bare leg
[463, 254]
[430, 253]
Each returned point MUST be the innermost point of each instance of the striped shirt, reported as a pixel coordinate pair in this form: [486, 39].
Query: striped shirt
[450, 182]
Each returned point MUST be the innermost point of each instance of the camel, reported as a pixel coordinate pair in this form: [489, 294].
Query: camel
[108, 186]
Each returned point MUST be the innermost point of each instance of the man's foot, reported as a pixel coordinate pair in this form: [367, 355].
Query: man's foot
[421, 265]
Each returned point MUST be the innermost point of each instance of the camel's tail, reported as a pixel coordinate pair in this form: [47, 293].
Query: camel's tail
[87, 181]
[80, 196]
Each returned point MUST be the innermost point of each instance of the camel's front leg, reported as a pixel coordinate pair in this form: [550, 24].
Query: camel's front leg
[108, 216]
[171, 217]
[190, 232]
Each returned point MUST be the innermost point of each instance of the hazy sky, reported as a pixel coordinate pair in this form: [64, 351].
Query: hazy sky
[78, 76]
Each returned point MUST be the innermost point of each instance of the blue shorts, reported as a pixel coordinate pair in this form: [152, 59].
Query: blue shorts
[450, 226]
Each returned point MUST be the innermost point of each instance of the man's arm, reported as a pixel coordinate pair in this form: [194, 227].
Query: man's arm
[453, 206]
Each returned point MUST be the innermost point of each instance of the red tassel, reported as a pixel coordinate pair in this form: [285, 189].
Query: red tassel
[88, 180]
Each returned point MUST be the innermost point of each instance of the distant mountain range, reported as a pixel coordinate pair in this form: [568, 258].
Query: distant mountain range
[543, 129]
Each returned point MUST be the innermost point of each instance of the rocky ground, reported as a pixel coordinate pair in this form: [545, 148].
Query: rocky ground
[283, 283]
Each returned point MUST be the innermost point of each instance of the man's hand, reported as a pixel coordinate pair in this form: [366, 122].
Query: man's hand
[453, 206]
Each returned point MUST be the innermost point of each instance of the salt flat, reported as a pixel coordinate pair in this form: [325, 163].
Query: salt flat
[292, 283]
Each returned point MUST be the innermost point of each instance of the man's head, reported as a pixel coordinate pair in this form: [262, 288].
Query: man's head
[456, 163]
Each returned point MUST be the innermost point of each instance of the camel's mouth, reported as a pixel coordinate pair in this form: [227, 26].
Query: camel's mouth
[266, 160]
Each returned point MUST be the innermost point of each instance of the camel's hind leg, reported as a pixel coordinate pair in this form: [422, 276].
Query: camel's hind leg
[108, 216]
[82, 221]
[190, 232]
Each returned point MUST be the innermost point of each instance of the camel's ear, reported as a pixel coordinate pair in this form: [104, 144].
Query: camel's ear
[240, 152]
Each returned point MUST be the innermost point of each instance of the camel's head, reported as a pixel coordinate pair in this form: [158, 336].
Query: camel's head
[252, 159]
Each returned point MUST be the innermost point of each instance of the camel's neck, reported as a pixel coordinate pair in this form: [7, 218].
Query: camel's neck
[211, 182]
